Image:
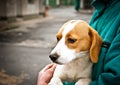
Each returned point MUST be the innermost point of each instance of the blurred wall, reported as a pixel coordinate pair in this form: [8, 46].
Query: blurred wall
[8, 8]
[16, 8]
[55, 3]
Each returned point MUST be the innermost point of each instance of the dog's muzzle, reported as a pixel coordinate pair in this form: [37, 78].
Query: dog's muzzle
[54, 57]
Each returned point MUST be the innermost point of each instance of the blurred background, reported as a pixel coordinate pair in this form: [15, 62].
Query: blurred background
[27, 35]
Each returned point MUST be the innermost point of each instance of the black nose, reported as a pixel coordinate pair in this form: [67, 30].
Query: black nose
[53, 57]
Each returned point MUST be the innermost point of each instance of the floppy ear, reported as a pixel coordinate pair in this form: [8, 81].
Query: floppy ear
[96, 43]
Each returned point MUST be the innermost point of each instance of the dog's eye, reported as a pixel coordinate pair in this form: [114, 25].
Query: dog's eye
[70, 40]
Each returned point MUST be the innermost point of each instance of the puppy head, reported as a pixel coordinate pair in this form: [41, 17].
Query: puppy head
[75, 38]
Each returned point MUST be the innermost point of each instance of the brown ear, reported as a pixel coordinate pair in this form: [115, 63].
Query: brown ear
[95, 46]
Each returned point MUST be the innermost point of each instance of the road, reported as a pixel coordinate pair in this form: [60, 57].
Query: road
[24, 51]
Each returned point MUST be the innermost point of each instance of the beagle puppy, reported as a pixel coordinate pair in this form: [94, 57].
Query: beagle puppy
[77, 49]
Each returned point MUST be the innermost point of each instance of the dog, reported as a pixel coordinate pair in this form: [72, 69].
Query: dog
[78, 47]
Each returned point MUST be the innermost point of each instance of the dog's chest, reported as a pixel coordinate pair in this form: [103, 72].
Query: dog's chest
[79, 68]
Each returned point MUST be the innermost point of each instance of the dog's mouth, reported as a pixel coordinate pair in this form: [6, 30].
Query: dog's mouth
[58, 62]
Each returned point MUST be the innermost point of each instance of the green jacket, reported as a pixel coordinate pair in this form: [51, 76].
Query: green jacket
[106, 20]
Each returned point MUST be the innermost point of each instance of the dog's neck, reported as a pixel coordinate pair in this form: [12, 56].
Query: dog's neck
[79, 58]
[82, 53]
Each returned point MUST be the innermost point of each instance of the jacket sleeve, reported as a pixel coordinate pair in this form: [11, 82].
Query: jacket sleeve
[111, 69]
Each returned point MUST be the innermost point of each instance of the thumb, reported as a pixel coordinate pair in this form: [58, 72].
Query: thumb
[53, 68]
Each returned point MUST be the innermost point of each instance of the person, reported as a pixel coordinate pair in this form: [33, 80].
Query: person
[106, 20]
[77, 5]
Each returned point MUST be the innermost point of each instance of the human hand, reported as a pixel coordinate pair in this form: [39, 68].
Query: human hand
[46, 74]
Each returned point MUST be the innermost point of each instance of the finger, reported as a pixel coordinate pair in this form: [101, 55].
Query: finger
[53, 67]
[47, 67]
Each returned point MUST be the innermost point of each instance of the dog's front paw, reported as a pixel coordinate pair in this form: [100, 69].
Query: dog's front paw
[83, 82]
[55, 81]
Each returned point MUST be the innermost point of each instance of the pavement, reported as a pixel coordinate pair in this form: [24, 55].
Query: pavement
[24, 49]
